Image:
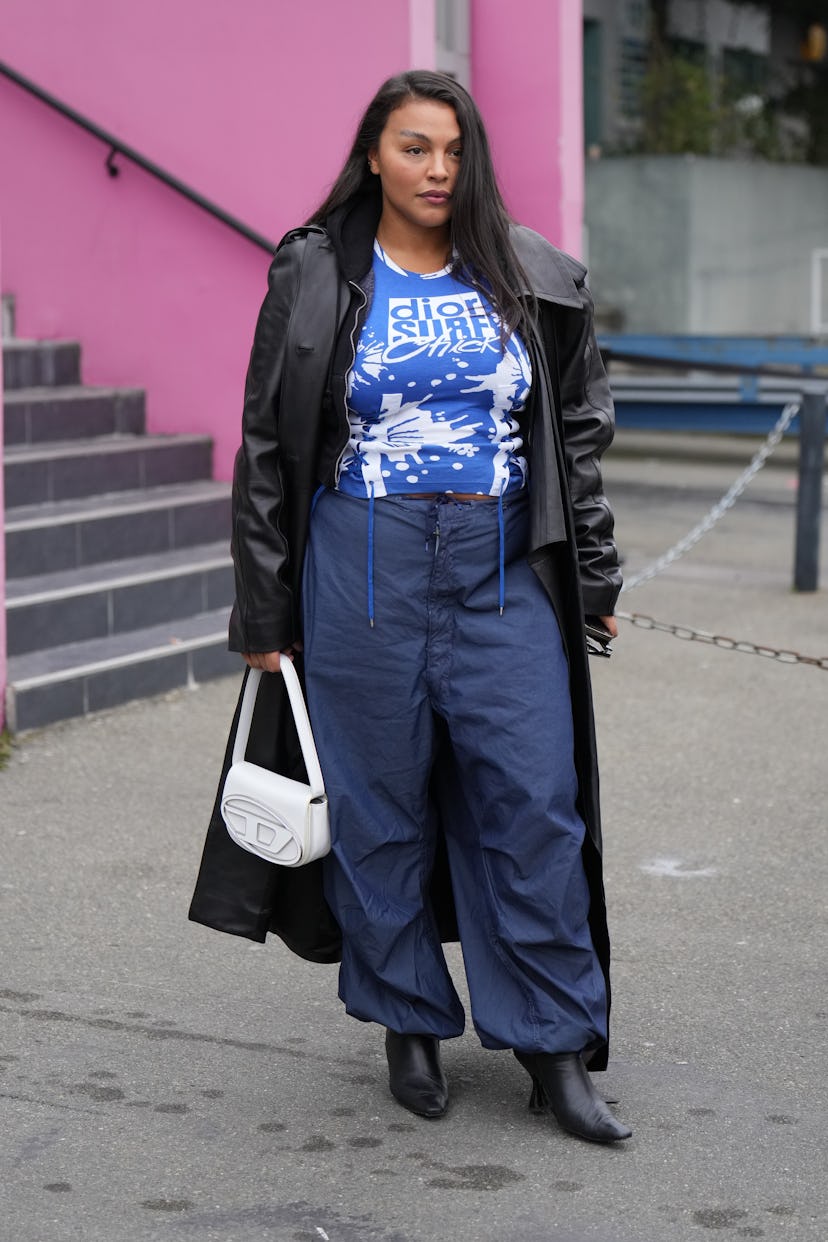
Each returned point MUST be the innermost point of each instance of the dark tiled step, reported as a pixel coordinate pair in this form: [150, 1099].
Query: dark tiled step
[36, 474]
[38, 415]
[44, 539]
[33, 364]
[113, 598]
[85, 677]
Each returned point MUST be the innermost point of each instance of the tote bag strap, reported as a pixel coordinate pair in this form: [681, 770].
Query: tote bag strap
[300, 717]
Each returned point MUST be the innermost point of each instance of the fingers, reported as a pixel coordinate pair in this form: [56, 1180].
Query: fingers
[268, 661]
[611, 624]
[254, 659]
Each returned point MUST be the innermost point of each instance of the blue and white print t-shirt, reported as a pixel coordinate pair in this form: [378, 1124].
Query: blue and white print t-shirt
[433, 396]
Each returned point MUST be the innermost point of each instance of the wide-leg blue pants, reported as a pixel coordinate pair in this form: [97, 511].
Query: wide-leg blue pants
[440, 646]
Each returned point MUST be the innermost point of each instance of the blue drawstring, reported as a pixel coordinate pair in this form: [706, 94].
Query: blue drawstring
[371, 555]
[502, 549]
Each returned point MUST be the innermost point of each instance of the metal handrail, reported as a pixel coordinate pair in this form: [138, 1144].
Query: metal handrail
[792, 372]
[812, 414]
[116, 148]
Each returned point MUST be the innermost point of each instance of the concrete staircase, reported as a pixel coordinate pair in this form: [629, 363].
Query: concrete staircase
[119, 579]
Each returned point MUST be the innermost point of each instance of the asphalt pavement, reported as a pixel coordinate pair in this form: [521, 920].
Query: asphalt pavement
[161, 1082]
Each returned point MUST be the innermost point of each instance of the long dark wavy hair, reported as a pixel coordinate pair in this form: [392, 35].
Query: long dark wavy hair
[483, 254]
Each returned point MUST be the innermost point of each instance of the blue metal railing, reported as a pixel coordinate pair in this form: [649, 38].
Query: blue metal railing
[746, 380]
[810, 391]
[804, 353]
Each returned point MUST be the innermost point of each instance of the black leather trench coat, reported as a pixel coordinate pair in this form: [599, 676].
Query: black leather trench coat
[294, 429]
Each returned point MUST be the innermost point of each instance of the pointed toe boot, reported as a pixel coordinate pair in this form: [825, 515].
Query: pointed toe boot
[415, 1074]
[562, 1086]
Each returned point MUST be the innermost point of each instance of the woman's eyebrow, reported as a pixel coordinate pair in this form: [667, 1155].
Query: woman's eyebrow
[413, 133]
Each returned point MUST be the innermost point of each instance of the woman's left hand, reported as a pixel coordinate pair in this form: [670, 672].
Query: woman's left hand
[268, 661]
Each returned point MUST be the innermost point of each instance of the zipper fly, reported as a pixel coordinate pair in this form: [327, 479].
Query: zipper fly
[359, 311]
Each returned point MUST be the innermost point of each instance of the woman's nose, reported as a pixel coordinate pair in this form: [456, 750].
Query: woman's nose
[439, 168]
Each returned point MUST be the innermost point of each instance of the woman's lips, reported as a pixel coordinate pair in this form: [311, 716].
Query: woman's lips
[436, 197]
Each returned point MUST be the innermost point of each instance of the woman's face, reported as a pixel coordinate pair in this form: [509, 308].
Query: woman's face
[417, 161]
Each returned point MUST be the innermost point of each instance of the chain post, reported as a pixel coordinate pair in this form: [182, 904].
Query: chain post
[809, 494]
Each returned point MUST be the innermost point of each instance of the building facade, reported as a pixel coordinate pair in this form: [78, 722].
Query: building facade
[253, 106]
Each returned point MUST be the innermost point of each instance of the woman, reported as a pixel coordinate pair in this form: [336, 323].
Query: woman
[419, 520]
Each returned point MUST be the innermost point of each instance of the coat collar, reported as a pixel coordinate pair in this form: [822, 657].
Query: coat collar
[352, 229]
[552, 275]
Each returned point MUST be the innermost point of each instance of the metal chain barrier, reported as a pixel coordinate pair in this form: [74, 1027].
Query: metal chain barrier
[692, 538]
[727, 501]
[721, 640]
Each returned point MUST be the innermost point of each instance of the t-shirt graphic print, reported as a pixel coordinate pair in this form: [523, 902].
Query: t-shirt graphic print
[433, 396]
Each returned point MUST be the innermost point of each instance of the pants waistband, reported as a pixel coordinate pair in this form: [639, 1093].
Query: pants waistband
[502, 502]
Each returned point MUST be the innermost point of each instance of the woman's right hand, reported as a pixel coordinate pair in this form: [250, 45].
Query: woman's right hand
[268, 661]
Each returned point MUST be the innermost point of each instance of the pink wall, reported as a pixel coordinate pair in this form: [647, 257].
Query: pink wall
[240, 107]
[527, 79]
[422, 24]
[2, 551]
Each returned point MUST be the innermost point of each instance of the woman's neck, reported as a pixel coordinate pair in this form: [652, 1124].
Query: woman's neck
[415, 250]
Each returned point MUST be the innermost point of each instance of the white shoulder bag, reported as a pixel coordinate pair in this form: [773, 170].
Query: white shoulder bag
[282, 820]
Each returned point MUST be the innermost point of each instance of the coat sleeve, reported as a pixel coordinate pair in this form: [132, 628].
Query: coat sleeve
[589, 425]
[263, 614]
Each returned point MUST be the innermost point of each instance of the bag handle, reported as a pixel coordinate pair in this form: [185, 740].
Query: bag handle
[300, 717]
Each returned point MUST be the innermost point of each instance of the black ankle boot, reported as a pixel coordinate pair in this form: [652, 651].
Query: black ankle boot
[415, 1074]
[561, 1085]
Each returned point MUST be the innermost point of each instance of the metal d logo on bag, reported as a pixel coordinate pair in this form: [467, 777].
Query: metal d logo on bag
[279, 819]
[259, 829]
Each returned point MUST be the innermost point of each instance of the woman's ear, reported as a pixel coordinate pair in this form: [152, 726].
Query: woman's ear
[373, 166]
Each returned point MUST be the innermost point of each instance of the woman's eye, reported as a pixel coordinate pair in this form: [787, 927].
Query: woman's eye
[414, 150]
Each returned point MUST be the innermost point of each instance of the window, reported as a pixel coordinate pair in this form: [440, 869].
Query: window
[632, 68]
[691, 50]
[593, 85]
[745, 72]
